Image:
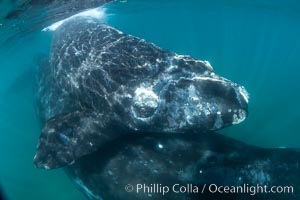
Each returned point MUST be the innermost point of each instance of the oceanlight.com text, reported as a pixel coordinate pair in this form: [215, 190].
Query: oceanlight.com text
[211, 188]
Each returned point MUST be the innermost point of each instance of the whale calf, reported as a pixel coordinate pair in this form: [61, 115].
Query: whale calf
[159, 166]
[101, 83]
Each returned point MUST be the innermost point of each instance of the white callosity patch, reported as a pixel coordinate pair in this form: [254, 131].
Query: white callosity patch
[239, 116]
[244, 93]
[241, 92]
[191, 108]
[190, 113]
[145, 97]
[145, 103]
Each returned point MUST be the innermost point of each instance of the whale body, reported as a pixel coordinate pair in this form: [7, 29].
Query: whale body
[100, 83]
[182, 164]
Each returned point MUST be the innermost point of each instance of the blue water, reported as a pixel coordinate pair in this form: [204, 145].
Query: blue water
[254, 43]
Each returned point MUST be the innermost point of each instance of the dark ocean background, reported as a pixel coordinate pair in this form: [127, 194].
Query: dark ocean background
[254, 43]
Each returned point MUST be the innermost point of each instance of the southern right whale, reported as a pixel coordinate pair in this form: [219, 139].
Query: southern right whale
[190, 161]
[101, 83]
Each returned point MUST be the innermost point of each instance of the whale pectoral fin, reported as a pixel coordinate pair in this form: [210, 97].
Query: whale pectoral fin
[66, 138]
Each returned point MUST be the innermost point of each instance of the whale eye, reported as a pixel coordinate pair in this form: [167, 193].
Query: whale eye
[145, 103]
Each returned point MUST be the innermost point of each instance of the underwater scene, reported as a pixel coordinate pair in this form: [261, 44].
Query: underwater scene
[140, 99]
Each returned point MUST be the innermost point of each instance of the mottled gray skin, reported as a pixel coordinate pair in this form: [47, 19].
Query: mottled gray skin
[101, 83]
[184, 159]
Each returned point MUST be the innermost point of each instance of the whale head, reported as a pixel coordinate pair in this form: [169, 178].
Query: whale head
[190, 96]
